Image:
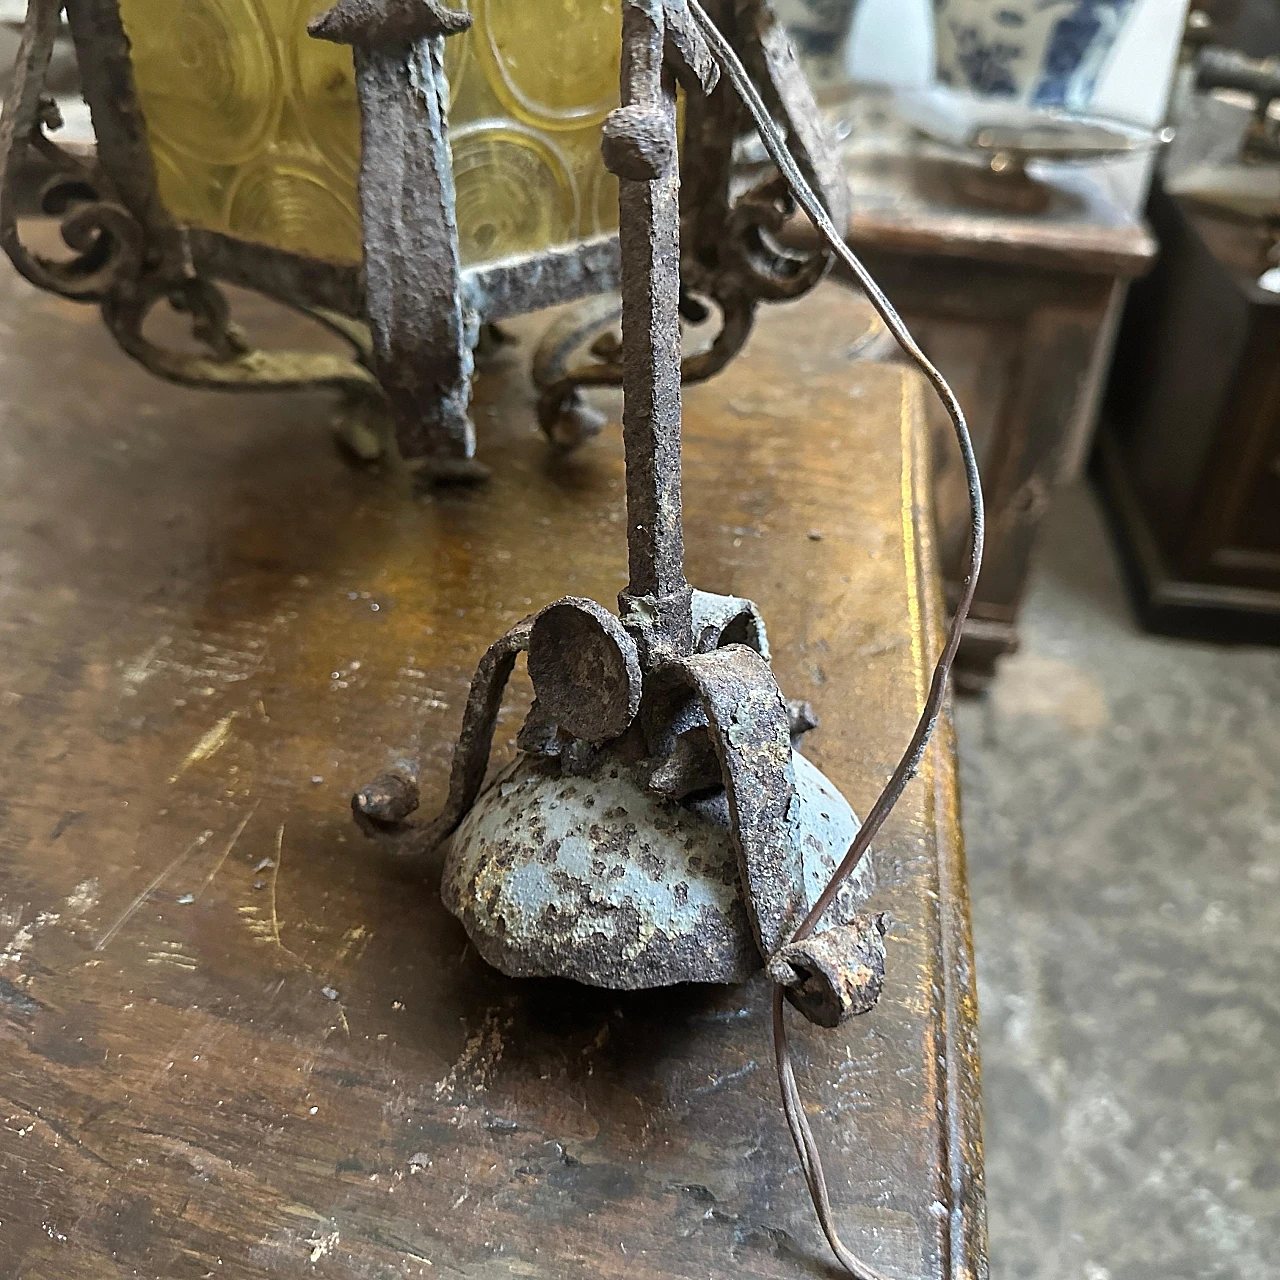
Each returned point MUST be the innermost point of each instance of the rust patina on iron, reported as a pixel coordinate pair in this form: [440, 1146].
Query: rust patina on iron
[601, 853]
[594, 877]
[835, 974]
[423, 334]
[660, 826]
[647, 834]
[412, 315]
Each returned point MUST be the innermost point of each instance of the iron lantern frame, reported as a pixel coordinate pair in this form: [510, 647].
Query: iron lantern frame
[411, 333]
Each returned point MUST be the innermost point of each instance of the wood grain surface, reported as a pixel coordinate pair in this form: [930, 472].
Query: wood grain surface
[235, 1039]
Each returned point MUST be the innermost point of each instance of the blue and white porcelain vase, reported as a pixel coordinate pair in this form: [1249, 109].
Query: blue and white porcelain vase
[1043, 53]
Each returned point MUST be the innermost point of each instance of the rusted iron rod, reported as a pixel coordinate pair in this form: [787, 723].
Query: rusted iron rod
[640, 147]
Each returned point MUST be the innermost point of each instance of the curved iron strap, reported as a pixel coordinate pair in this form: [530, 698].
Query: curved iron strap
[586, 681]
[355, 333]
[563, 412]
[107, 240]
[564, 415]
[231, 363]
[470, 753]
[747, 716]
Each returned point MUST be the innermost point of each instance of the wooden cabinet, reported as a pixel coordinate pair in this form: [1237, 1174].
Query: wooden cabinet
[1189, 454]
[1018, 311]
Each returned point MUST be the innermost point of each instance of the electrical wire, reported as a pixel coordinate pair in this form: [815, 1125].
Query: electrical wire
[776, 145]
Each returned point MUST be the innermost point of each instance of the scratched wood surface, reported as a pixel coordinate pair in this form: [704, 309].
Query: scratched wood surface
[235, 1040]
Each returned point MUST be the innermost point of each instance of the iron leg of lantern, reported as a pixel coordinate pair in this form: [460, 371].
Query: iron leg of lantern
[423, 333]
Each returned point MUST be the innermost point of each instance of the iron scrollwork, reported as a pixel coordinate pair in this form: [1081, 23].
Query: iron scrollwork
[125, 256]
[412, 316]
[731, 256]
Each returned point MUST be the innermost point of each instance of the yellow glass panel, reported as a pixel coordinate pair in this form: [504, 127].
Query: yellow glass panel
[255, 127]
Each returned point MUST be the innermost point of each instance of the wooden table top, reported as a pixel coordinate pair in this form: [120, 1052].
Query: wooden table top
[239, 1041]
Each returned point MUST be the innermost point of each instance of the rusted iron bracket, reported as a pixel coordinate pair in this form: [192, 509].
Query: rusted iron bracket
[384, 804]
[423, 335]
[424, 309]
[746, 716]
